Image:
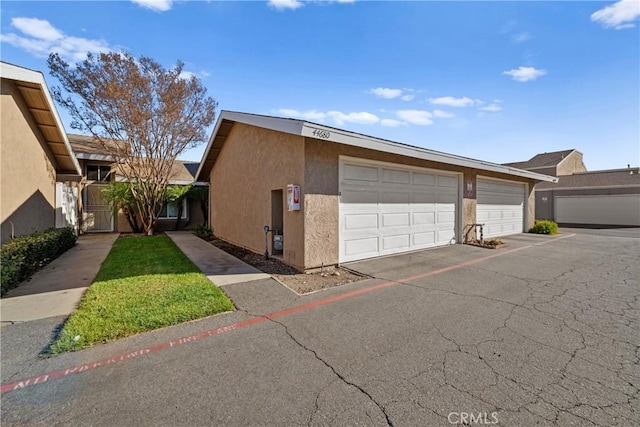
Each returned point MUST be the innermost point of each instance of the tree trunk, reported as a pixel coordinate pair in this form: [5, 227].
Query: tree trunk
[177, 224]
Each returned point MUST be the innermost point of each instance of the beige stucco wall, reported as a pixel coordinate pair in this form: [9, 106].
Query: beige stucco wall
[573, 163]
[27, 173]
[252, 163]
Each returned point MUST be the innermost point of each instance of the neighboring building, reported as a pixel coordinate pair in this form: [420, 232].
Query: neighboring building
[39, 173]
[97, 171]
[337, 196]
[556, 163]
[597, 198]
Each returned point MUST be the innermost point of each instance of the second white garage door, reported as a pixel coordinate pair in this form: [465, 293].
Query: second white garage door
[623, 209]
[388, 208]
[500, 207]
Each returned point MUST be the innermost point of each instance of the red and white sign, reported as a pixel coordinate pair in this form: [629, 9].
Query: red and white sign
[293, 197]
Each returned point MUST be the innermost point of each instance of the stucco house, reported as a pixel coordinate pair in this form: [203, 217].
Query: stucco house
[336, 196]
[580, 197]
[97, 171]
[39, 173]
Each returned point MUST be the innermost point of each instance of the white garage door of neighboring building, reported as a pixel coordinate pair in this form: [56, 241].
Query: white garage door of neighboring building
[623, 209]
[500, 207]
[389, 208]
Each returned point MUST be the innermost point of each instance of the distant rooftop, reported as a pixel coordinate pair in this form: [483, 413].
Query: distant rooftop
[542, 160]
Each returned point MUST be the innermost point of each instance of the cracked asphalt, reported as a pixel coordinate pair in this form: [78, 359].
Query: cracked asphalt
[547, 332]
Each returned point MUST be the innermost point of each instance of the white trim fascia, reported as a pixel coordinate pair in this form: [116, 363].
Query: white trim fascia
[598, 187]
[14, 72]
[306, 129]
[95, 157]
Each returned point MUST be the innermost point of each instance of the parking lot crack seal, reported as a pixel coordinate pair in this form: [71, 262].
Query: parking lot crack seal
[336, 373]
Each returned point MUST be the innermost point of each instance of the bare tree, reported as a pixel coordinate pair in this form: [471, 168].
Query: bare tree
[141, 113]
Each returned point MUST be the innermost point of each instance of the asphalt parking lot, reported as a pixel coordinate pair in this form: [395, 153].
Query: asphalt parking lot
[543, 331]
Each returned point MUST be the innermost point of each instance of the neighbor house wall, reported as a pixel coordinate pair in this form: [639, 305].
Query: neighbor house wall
[253, 162]
[321, 199]
[27, 172]
[571, 164]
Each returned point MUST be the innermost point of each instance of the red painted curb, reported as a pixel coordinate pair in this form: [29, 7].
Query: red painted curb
[16, 385]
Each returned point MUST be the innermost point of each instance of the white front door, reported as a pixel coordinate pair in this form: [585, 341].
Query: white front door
[388, 208]
[500, 206]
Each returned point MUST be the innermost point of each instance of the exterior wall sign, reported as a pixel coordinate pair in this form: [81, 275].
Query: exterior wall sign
[469, 188]
[293, 197]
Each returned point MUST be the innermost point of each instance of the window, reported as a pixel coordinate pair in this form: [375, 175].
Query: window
[170, 210]
[98, 173]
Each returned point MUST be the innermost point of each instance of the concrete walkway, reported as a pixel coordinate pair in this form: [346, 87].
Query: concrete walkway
[56, 289]
[219, 267]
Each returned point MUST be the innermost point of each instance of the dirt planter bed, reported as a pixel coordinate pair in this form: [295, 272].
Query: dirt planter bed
[301, 283]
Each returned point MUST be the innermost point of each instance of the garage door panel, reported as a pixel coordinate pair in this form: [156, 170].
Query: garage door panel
[362, 196]
[424, 179]
[395, 219]
[424, 218]
[391, 176]
[367, 246]
[427, 238]
[395, 197]
[447, 181]
[361, 221]
[392, 243]
[423, 198]
[414, 209]
[360, 173]
[500, 207]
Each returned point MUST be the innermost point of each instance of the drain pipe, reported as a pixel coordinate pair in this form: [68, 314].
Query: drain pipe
[267, 230]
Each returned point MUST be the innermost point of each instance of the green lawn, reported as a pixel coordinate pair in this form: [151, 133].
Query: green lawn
[145, 283]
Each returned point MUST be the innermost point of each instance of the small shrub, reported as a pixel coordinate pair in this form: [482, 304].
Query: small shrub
[22, 257]
[203, 231]
[544, 227]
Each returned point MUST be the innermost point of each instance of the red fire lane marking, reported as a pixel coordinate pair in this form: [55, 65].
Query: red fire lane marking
[16, 385]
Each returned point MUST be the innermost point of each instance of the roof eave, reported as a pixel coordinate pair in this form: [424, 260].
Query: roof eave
[14, 72]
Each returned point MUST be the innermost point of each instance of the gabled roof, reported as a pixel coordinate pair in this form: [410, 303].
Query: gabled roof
[35, 92]
[629, 177]
[542, 160]
[314, 130]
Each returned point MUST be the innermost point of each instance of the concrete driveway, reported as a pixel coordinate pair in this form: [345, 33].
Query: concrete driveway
[541, 332]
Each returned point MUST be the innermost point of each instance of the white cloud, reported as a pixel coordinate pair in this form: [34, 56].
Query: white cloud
[40, 38]
[362, 117]
[415, 117]
[186, 75]
[157, 5]
[386, 93]
[491, 108]
[442, 114]
[407, 97]
[521, 37]
[285, 4]
[524, 74]
[307, 115]
[618, 15]
[450, 101]
[392, 123]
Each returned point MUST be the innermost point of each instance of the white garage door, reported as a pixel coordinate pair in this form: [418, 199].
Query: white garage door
[500, 207]
[389, 208]
[621, 209]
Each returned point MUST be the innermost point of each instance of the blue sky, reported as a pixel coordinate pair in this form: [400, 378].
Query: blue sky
[497, 81]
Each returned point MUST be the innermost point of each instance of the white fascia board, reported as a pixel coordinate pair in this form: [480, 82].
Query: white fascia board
[13, 72]
[358, 140]
[595, 187]
[306, 129]
[95, 157]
